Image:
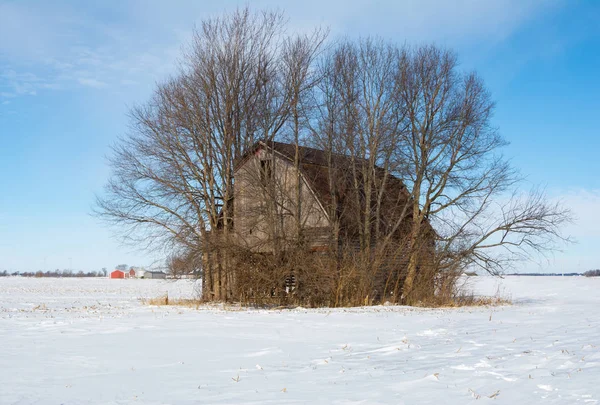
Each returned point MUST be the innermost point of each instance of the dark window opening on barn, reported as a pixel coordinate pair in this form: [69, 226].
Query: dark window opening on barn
[266, 172]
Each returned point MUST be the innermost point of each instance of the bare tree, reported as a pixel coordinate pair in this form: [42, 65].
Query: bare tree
[172, 183]
[457, 174]
[184, 265]
[410, 113]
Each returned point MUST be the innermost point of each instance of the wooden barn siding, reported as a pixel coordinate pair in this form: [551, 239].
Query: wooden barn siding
[251, 226]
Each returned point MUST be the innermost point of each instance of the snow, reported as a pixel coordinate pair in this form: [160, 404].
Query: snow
[92, 341]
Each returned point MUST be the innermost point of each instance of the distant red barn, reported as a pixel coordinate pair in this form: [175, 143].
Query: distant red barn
[117, 274]
[132, 273]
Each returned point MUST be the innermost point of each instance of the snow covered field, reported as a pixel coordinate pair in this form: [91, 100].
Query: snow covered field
[91, 341]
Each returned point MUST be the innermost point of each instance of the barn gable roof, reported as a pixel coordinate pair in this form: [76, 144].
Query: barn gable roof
[316, 166]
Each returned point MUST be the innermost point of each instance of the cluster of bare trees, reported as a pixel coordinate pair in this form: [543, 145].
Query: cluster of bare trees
[411, 155]
[184, 265]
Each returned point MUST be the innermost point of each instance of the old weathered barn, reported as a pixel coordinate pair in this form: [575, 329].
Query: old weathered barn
[321, 206]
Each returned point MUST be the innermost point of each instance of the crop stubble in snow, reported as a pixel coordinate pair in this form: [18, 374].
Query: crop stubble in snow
[78, 341]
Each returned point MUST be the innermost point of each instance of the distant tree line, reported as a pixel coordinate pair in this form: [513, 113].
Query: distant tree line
[55, 273]
[592, 273]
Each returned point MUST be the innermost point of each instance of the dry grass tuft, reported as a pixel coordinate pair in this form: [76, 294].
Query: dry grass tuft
[455, 292]
[478, 301]
[464, 299]
[165, 300]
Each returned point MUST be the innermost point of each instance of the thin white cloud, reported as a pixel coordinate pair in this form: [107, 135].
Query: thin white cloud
[128, 82]
[13, 83]
[97, 84]
[55, 46]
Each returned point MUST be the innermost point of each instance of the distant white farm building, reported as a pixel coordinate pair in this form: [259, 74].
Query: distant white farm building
[153, 275]
[139, 271]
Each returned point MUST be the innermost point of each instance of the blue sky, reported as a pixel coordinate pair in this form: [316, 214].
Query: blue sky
[69, 71]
